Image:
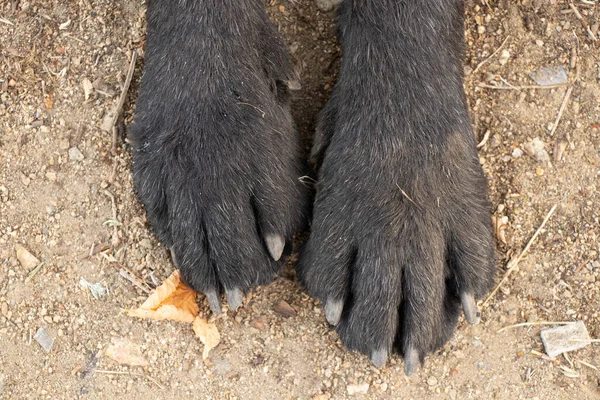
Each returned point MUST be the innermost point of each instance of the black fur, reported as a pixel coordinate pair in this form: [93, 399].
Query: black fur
[216, 158]
[401, 227]
[401, 223]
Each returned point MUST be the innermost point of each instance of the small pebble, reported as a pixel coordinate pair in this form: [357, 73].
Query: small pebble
[504, 56]
[64, 144]
[517, 152]
[536, 149]
[75, 154]
[559, 151]
[358, 389]
[484, 365]
[432, 381]
[551, 75]
[496, 141]
[51, 176]
[44, 339]
[27, 260]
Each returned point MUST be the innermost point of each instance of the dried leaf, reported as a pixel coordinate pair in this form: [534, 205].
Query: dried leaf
[27, 260]
[88, 88]
[500, 225]
[172, 300]
[207, 333]
[259, 323]
[64, 25]
[284, 309]
[97, 290]
[125, 352]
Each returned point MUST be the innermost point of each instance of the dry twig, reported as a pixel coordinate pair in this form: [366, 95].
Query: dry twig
[125, 273]
[587, 364]
[483, 85]
[534, 324]
[5, 21]
[108, 372]
[583, 22]
[481, 64]
[561, 110]
[116, 112]
[512, 264]
[115, 237]
[585, 340]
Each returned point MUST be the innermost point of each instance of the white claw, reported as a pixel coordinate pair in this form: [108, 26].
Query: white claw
[379, 357]
[213, 301]
[172, 249]
[333, 311]
[275, 245]
[234, 298]
[411, 361]
[472, 314]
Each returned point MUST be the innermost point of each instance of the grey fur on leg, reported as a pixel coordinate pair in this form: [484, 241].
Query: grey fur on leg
[411, 360]
[275, 244]
[472, 314]
[213, 301]
[379, 357]
[235, 297]
[194, 203]
[333, 311]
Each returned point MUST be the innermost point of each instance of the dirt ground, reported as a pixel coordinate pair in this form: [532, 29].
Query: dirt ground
[66, 195]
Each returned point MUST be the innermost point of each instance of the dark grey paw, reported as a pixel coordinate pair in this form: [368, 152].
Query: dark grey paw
[216, 157]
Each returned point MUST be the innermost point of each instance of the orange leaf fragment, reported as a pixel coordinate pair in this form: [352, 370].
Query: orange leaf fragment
[172, 300]
[207, 333]
[49, 101]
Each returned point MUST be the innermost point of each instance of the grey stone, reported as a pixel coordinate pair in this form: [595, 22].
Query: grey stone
[565, 338]
[44, 339]
[552, 75]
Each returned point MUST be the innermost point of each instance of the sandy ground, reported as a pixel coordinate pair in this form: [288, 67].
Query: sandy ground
[61, 181]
